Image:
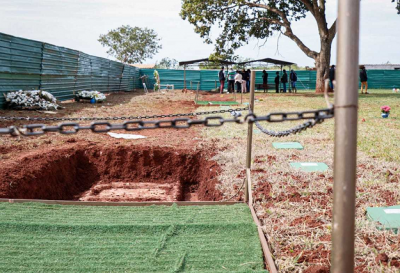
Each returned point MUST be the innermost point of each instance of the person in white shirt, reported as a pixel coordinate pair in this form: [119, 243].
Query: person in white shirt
[238, 81]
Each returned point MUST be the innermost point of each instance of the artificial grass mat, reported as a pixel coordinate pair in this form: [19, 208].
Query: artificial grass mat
[200, 102]
[38, 237]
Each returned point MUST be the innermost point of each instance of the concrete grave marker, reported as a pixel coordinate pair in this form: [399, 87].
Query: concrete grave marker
[388, 217]
[310, 166]
[287, 145]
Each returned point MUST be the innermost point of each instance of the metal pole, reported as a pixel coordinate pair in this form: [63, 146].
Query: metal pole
[250, 132]
[184, 77]
[345, 161]
[280, 77]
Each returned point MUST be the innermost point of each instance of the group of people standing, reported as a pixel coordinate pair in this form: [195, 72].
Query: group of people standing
[239, 78]
[284, 81]
[242, 80]
[363, 78]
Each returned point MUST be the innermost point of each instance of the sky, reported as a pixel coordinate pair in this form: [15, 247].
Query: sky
[77, 24]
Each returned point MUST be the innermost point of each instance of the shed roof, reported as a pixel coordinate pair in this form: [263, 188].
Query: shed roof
[268, 60]
[205, 60]
[265, 60]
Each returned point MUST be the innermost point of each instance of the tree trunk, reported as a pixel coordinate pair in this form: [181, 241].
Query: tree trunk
[322, 63]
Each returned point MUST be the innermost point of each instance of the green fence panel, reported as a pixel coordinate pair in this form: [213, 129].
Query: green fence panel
[100, 73]
[115, 74]
[209, 79]
[84, 75]
[20, 64]
[391, 79]
[129, 78]
[59, 70]
[27, 64]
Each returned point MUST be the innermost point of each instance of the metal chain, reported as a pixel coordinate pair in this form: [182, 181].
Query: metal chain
[294, 130]
[192, 114]
[316, 119]
[180, 123]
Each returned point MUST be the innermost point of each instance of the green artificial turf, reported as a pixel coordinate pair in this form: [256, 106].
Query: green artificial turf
[36, 237]
[199, 102]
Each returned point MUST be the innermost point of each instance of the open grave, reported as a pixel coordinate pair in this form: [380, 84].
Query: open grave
[120, 174]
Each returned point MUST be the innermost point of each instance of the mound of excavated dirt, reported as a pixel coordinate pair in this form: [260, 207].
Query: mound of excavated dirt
[119, 173]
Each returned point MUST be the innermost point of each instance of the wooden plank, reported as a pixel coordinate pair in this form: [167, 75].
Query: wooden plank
[126, 204]
[249, 187]
[264, 244]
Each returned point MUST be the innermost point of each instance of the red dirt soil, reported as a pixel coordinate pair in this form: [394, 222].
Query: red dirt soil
[92, 172]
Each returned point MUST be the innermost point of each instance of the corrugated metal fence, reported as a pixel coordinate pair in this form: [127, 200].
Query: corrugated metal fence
[27, 65]
[208, 79]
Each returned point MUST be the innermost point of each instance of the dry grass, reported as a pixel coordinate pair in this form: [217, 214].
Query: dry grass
[296, 207]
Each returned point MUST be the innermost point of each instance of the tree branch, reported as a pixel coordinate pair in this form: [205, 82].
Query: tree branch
[274, 10]
[274, 21]
[286, 24]
[309, 6]
[310, 53]
[332, 31]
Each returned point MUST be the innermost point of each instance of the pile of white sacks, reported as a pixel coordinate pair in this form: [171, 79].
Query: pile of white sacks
[32, 99]
[99, 97]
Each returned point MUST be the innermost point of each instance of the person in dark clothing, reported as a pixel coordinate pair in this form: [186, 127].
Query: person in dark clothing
[277, 82]
[332, 72]
[364, 80]
[265, 80]
[248, 80]
[284, 80]
[293, 80]
[221, 76]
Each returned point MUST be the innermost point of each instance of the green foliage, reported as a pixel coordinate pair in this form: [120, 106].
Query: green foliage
[49, 238]
[131, 44]
[239, 20]
[398, 6]
[167, 63]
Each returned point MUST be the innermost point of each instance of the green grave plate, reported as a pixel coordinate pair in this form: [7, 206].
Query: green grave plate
[245, 103]
[310, 166]
[388, 217]
[224, 107]
[287, 145]
[256, 131]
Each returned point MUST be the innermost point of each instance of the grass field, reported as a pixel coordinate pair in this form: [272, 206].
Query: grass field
[52, 238]
[296, 207]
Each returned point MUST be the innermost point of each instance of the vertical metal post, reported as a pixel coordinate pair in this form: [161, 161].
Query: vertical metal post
[280, 77]
[346, 107]
[184, 76]
[250, 133]
[290, 80]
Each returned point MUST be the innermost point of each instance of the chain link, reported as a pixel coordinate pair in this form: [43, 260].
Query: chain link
[318, 116]
[192, 114]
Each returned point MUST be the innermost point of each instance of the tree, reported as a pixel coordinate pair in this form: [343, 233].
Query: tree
[398, 6]
[131, 44]
[243, 19]
[167, 63]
